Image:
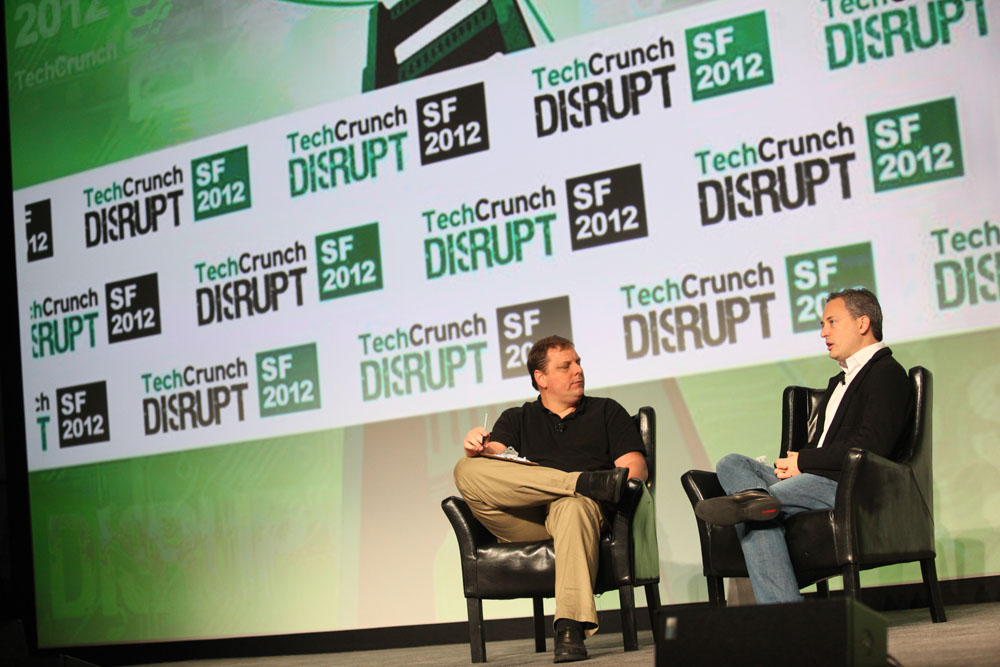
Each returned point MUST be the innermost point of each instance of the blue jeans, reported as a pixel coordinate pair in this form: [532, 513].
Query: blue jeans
[763, 542]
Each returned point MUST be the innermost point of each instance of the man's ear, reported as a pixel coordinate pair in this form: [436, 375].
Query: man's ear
[864, 325]
[539, 379]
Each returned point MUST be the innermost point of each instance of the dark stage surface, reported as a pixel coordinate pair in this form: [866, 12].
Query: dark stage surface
[969, 638]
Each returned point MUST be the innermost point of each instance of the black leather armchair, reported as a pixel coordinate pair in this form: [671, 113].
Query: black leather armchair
[629, 557]
[883, 512]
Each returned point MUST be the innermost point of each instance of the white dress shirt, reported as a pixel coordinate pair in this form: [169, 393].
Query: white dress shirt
[851, 366]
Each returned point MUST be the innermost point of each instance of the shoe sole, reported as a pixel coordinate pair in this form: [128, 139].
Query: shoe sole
[570, 658]
[727, 512]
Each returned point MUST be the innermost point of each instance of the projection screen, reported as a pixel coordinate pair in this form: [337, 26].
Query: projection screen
[274, 259]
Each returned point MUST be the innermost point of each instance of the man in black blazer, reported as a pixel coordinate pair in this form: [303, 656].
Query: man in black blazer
[867, 405]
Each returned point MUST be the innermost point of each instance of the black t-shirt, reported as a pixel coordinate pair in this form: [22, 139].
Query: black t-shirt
[591, 437]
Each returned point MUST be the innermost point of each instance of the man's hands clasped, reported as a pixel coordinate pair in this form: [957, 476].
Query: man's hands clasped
[788, 466]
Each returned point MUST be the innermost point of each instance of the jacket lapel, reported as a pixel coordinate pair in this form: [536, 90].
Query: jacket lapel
[852, 390]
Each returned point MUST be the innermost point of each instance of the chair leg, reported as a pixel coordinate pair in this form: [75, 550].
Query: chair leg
[852, 581]
[652, 602]
[629, 635]
[539, 625]
[823, 588]
[928, 569]
[716, 591]
[477, 639]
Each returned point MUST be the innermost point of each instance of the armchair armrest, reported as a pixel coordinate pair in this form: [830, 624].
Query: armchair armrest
[470, 533]
[799, 417]
[701, 484]
[721, 555]
[880, 509]
[633, 529]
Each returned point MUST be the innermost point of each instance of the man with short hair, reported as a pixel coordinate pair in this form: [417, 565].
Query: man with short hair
[587, 448]
[867, 405]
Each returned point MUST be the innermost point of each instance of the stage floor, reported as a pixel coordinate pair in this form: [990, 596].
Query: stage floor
[969, 638]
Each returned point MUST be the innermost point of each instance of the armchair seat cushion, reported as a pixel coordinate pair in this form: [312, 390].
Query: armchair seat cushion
[534, 562]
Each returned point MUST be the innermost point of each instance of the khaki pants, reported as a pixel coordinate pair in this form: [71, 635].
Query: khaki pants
[521, 503]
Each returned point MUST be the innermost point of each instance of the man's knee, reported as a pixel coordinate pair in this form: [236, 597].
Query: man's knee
[807, 490]
[465, 471]
[730, 462]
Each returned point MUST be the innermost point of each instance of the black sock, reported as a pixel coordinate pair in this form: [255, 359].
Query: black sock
[584, 485]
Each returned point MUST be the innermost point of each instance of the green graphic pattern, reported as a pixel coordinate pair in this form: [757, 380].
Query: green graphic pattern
[237, 539]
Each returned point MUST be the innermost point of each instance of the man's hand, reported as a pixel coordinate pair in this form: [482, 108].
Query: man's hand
[477, 442]
[788, 466]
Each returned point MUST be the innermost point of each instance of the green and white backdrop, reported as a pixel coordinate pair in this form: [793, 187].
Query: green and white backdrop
[258, 308]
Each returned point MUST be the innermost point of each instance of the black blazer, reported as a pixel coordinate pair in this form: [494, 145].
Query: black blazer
[873, 415]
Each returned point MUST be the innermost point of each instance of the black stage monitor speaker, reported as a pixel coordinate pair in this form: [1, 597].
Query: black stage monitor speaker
[14, 650]
[816, 633]
[13, 645]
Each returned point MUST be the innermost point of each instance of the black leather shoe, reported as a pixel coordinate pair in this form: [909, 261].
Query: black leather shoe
[749, 505]
[605, 486]
[569, 644]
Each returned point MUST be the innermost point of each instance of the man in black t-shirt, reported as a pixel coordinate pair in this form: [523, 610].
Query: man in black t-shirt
[586, 448]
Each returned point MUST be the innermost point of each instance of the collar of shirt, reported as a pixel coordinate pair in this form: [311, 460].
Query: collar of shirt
[856, 361]
[577, 409]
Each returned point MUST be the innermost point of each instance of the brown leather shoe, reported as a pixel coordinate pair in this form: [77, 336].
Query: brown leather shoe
[749, 505]
[569, 644]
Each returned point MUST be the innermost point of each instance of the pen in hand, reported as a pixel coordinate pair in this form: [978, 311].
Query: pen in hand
[486, 438]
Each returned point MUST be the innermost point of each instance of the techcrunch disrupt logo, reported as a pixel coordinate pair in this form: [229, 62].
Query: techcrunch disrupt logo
[422, 358]
[453, 124]
[83, 414]
[221, 183]
[349, 152]
[133, 308]
[482, 246]
[971, 273]
[579, 102]
[111, 219]
[863, 30]
[288, 380]
[695, 325]
[42, 418]
[348, 261]
[915, 144]
[815, 274]
[251, 285]
[729, 56]
[197, 397]
[520, 325]
[38, 229]
[752, 192]
[58, 322]
[61, 66]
